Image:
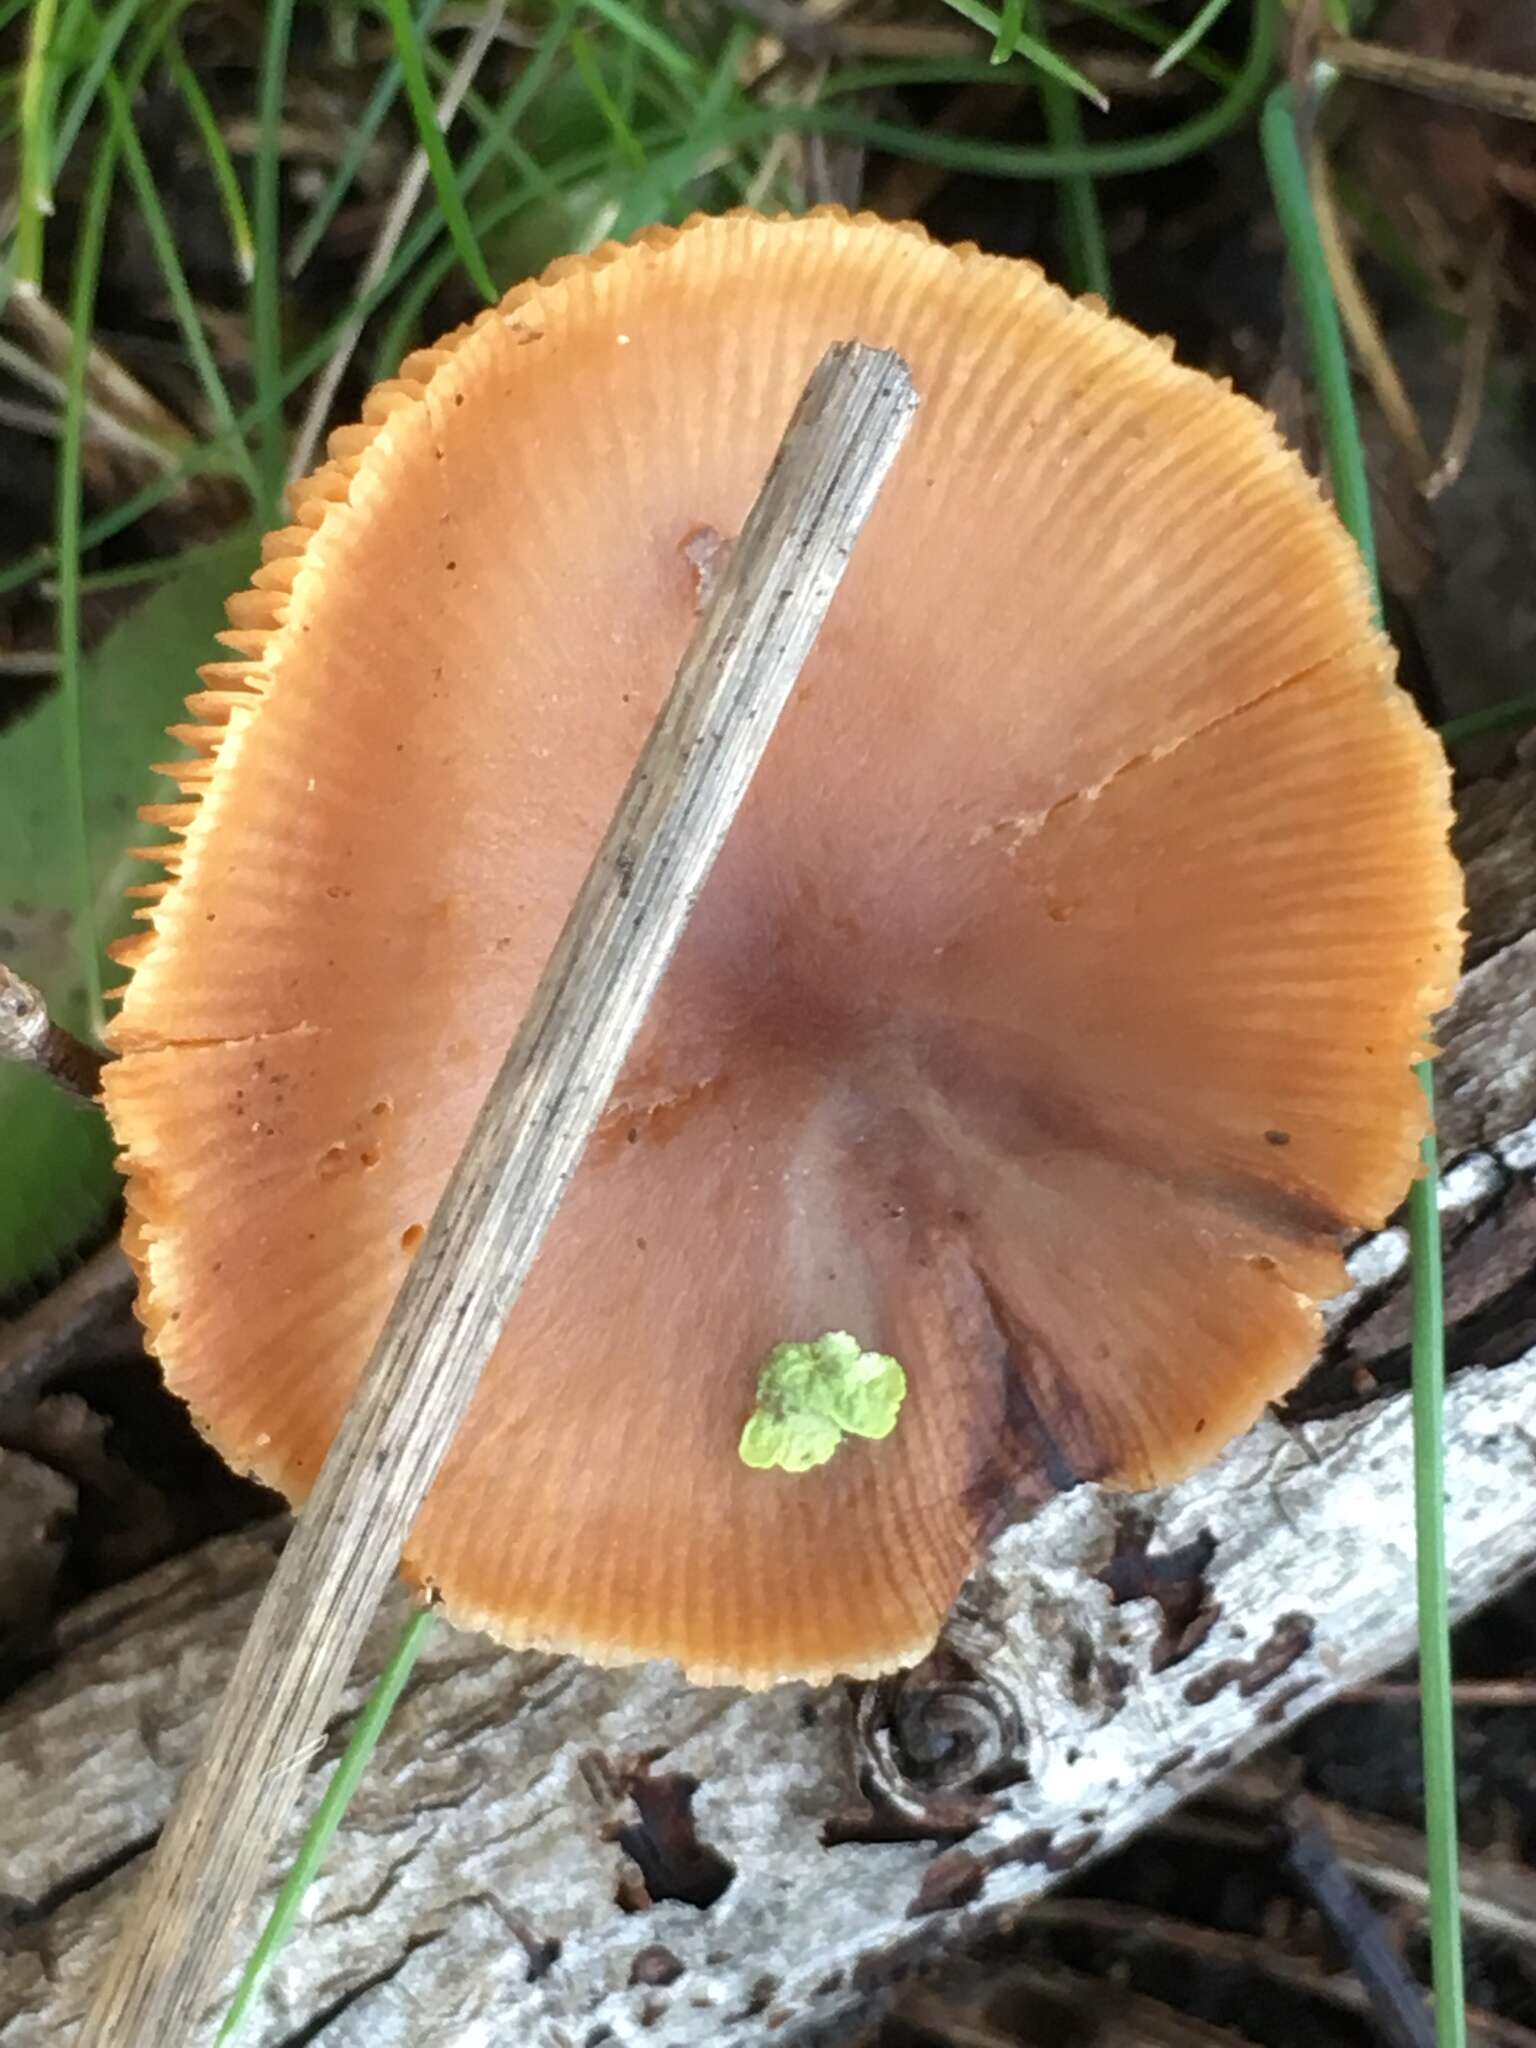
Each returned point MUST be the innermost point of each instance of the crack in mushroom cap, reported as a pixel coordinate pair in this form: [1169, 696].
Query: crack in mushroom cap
[1049, 1015]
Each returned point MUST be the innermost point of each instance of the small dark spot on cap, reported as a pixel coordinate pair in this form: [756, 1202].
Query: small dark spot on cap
[1277, 1137]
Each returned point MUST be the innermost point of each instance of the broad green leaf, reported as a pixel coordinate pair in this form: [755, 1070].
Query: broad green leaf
[57, 1183]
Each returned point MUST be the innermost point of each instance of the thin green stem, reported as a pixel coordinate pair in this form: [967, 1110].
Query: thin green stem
[1082, 226]
[179, 291]
[266, 277]
[630, 67]
[1330, 365]
[1192, 37]
[1010, 31]
[34, 199]
[590, 72]
[1513, 711]
[1293, 201]
[499, 139]
[1034, 51]
[91, 236]
[444, 177]
[380, 100]
[109, 35]
[130, 574]
[231, 198]
[995, 159]
[328, 1815]
[574, 170]
[1100, 160]
[1437, 1711]
[1134, 21]
[489, 121]
[669, 54]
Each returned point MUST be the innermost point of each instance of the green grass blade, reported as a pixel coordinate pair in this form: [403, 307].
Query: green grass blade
[163, 242]
[1192, 37]
[1003, 160]
[1010, 31]
[1330, 364]
[328, 1815]
[231, 198]
[1133, 21]
[1493, 718]
[574, 170]
[499, 139]
[34, 198]
[109, 37]
[1293, 203]
[590, 71]
[1087, 258]
[489, 120]
[339, 184]
[266, 279]
[82, 308]
[758, 126]
[129, 575]
[740, 132]
[662, 194]
[445, 179]
[1438, 1729]
[670, 55]
[631, 63]
[1029, 47]
[1105, 159]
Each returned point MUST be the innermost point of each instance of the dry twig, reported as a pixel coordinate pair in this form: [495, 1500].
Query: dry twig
[29, 1036]
[747, 650]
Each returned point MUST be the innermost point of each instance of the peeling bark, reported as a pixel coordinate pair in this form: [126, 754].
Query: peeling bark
[553, 1855]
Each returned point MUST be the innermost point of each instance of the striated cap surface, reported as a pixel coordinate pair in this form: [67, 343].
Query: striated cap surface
[1048, 1017]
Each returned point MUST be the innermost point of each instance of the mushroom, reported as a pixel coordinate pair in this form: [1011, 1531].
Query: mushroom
[1048, 1018]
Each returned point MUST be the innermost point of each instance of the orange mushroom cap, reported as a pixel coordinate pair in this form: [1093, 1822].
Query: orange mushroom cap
[1048, 1017]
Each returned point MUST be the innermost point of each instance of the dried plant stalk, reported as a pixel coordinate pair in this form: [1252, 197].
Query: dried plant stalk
[750, 644]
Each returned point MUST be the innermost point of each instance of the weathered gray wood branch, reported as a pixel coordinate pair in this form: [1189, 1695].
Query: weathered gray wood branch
[751, 642]
[513, 1871]
[478, 1894]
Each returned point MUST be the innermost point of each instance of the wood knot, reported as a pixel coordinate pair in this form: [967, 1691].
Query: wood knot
[931, 1745]
[945, 1726]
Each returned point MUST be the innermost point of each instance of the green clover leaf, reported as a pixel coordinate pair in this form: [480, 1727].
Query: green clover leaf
[810, 1396]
